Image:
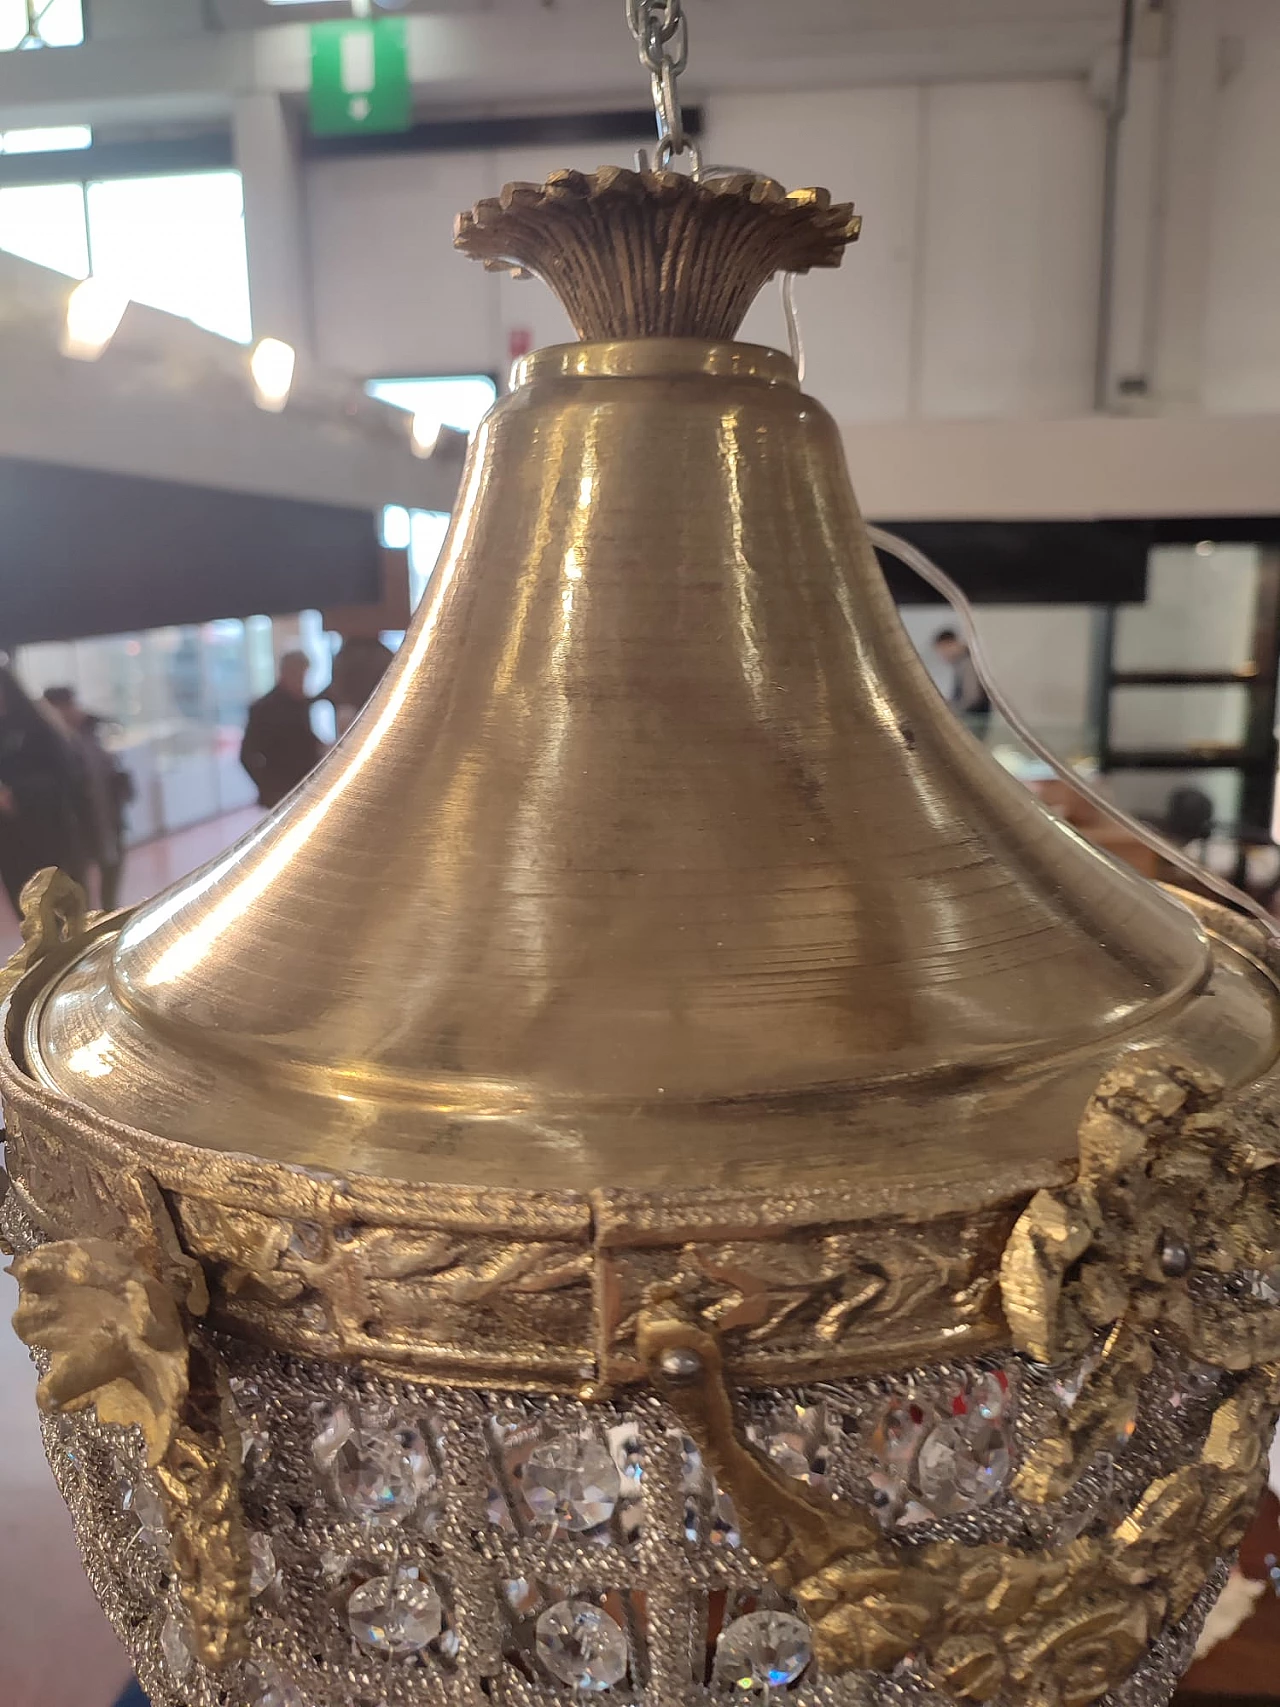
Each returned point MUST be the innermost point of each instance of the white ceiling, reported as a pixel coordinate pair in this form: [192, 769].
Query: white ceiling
[765, 43]
[182, 60]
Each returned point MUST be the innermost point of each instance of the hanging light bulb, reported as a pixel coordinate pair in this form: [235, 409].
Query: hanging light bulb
[271, 366]
[95, 309]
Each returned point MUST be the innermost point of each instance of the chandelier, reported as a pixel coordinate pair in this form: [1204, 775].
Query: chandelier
[660, 1171]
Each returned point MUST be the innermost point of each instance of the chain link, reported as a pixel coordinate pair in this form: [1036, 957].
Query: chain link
[661, 33]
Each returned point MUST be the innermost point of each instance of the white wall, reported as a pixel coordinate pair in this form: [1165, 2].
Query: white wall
[972, 291]
[858, 320]
[391, 294]
[1241, 227]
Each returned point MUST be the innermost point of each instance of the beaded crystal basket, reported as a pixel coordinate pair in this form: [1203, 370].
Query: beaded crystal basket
[660, 1172]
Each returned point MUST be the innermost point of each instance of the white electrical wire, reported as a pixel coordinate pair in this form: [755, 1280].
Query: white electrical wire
[794, 336]
[942, 583]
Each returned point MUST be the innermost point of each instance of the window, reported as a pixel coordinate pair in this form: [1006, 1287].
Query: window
[40, 23]
[176, 243]
[45, 223]
[460, 401]
[46, 139]
[420, 533]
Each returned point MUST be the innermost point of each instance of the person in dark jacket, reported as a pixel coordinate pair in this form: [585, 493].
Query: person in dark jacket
[968, 697]
[358, 667]
[279, 746]
[109, 788]
[44, 809]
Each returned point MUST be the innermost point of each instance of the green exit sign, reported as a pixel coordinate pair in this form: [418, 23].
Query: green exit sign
[360, 77]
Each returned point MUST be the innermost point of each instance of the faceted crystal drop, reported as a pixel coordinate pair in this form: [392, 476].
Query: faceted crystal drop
[898, 1434]
[142, 1500]
[762, 1651]
[334, 1426]
[255, 1445]
[497, 1510]
[276, 1690]
[989, 1450]
[1068, 1387]
[265, 1573]
[521, 1595]
[571, 1481]
[956, 1473]
[581, 1645]
[175, 1645]
[628, 1455]
[724, 1530]
[395, 1615]
[373, 1477]
[787, 1452]
[990, 1396]
[887, 1495]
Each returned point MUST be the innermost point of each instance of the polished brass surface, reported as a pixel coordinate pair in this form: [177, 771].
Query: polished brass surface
[656, 254]
[1058, 1627]
[1164, 1156]
[656, 864]
[656, 985]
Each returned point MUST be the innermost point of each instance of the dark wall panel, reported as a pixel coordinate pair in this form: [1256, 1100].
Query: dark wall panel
[84, 552]
[1027, 563]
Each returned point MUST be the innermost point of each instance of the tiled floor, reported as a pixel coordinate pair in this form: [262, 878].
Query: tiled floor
[55, 1647]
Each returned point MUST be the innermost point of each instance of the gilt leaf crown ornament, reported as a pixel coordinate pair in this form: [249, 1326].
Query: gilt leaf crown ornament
[660, 1170]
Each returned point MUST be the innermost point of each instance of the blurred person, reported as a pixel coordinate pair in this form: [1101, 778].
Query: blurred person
[44, 808]
[108, 789]
[358, 667]
[280, 747]
[968, 698]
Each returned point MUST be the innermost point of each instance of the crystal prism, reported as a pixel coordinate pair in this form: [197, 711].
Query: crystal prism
[762, 1651]
[990, 1395]
[145, 1504]
[628, 1454]
[395, 1615]
[571, 1481]
[265, 1572]
[276, 1690]
[373, 1478]
[175, 1645]
[959, 1471]
[334, 1426]
[581, 1645]
[898, 1434]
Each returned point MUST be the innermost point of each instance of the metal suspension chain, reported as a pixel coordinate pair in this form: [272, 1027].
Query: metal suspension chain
[661, 34]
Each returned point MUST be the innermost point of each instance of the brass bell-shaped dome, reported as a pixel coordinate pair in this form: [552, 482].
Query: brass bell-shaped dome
[659, 1113]
[656, 862]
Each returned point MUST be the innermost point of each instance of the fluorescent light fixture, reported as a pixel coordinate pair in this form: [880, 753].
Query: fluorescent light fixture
[271, 366]
[46, 139]
[95, 309]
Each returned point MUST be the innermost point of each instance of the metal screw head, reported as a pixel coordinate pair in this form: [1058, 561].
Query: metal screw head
[1175, 1258]
[679, 1363]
